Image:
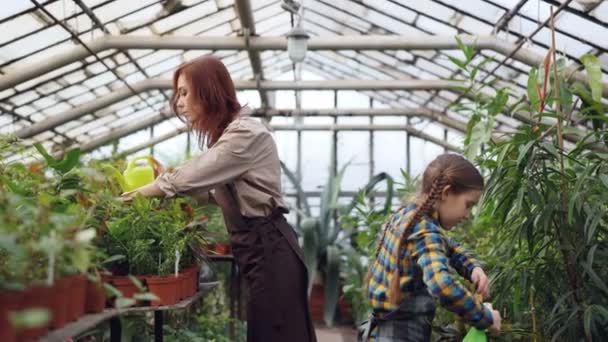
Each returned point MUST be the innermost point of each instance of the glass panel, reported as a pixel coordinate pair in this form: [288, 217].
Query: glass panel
[186, 16]
[601, 12]
[316, 150]
[389, 160]
[318, 99]
[422, 153]
[211, 21]
[353, 147]
[116, 9]
[482, 9]
[32, 43]
[13, 7]
[18, 27]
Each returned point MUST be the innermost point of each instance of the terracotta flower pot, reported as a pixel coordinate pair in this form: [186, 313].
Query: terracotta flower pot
[222, 248]
[125, 286]
[76, 298]
[62, 293]
[192, 282]
[36, 297]
[95, 297]
[184, 286]
[165, 288]
[9, 301]
[317, 302]
[345, 313]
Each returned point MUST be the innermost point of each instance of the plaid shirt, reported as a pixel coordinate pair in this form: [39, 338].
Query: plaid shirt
[423, 264]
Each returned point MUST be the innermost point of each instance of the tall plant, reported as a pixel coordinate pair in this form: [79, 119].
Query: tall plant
[324, 240]
[547, 203]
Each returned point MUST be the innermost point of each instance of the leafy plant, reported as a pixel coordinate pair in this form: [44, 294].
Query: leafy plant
[546, 202]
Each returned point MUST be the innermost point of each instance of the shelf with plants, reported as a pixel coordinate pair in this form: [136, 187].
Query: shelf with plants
[65, 237]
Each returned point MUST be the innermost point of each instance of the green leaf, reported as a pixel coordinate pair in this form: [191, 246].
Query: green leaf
[30, 318]
[477, 67]
[70, 161]
[468, 51]
[549, 147]
[595, 278]
[594, 74]
[523, 152]
[111, 291]
[123, 302]
[310, 245]
[296, 184]
[146, 296]
[498, 102]
[332, 284]
[532, 90]
[113, 258]
[137, 283]
[604, 179]
[49, 159]
[565, 97]
[460, 63]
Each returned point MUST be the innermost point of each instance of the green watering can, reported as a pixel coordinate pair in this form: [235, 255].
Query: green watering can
[135, 176]
[475, 335]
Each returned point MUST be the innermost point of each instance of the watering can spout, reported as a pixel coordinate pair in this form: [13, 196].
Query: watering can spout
[116, 174]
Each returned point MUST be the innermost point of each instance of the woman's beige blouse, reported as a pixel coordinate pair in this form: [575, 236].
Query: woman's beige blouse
[246, 155]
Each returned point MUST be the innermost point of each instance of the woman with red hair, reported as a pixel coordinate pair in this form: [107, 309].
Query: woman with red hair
[240, 171]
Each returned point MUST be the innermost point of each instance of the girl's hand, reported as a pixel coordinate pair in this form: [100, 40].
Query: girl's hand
[481, 281]
[496, 326]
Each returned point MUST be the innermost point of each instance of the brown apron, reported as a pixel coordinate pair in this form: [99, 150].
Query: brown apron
[268, 254]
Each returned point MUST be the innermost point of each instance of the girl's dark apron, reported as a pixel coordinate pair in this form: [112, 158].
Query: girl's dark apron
[268, 254]
[410, 322]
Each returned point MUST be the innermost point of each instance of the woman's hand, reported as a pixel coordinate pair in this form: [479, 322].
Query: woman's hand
[150, 190]
[127, 197]
[481, 281]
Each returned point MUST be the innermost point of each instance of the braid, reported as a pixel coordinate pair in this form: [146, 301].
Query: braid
[425, 207]
[376, 253]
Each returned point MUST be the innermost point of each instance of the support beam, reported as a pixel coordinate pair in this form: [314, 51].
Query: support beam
[150, 84]
[245, 14]
[343, 127]
[124, 131]
[360, 42]
[152, 142]
[275, 127]
[408, 111]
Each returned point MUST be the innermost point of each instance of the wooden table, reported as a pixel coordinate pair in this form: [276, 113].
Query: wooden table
[87, 322]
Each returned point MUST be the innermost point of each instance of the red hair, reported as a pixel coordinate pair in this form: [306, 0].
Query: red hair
[210, 82]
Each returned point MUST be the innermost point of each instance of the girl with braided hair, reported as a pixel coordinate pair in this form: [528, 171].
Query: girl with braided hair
[411, 267]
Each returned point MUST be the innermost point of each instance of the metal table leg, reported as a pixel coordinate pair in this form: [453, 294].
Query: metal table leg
[115, 329]
[233, 291]
[158, 326]
[239, 277]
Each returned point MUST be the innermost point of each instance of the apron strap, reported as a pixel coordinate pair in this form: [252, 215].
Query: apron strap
[225, 197]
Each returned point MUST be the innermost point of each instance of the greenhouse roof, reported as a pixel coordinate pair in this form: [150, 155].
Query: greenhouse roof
[86, 72]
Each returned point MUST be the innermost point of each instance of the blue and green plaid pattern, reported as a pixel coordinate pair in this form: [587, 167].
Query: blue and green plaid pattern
[423, 263]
